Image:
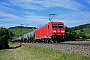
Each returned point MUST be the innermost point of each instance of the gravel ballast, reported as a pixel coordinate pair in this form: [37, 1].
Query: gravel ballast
[74, 49]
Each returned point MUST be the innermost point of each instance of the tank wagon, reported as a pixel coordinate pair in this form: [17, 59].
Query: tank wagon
[26, 38]
[51, 32]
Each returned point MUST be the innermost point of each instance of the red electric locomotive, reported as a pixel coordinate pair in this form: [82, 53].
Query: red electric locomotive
[53, 31]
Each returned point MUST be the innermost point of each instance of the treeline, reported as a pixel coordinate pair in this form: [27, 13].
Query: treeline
[81, 26]
[22, 27]
[72, 34]
[5, 36]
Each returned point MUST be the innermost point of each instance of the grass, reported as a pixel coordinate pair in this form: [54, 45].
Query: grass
[36, 53]
[21, 53]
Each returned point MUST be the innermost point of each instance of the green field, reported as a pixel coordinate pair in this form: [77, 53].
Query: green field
[85, 31]
[19, 31]
[36, 53]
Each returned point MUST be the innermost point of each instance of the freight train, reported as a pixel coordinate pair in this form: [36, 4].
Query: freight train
[51, 32]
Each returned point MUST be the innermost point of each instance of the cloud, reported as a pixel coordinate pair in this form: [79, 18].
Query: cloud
[8, 15]
[75, 15]
[9, 19]
[4, 3]
[5, 8]
[43, 4]
[73, 18]
[31, 8]
[32, 19]
[26, 4]
[75, 6]
[88, 1]
[13, 20]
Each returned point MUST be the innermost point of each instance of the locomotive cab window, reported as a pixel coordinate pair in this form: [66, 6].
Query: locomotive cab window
[57, 25]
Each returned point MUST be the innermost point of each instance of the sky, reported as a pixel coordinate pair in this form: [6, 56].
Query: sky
[37, 12]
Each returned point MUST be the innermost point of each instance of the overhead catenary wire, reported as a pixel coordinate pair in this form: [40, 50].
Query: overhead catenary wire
[73, 6]
[67, 3]
[83, 9]
[52, 15]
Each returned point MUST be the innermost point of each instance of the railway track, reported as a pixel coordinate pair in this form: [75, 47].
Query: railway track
[77, 43]
[82, 48]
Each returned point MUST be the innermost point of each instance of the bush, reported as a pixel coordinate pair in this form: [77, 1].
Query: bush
[71, 34]
[5, 35]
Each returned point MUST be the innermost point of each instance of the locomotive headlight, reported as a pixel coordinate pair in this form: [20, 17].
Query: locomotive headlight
[54, 31]
[63, 31]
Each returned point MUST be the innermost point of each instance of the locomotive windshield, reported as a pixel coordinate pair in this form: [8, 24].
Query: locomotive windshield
[57, 26]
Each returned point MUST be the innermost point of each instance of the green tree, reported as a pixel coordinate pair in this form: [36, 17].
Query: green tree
[70, 34]
[5, 36]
